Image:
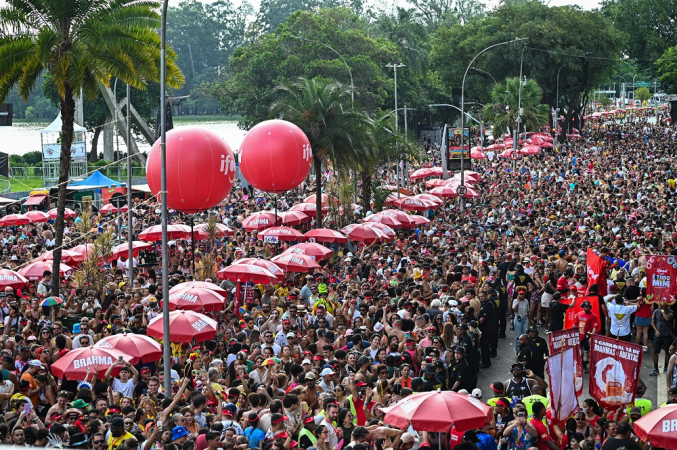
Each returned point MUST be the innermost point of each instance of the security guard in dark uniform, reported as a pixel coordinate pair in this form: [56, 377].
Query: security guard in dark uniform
[539, 349]
[460, 376]
[432, 380]
[465, 341]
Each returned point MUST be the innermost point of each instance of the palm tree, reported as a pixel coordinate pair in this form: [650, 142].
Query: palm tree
[80, 43]
[503, 109]
[337, 132]
[388, 147]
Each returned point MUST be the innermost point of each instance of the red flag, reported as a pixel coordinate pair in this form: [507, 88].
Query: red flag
[563, 340]
[614, 371]
[596, 272]
[570, 316]
[562, 376]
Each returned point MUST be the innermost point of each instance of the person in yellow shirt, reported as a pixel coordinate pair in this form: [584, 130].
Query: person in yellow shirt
[117, 433]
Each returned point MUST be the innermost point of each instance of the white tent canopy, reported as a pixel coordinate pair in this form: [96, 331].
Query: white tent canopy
[55, 127]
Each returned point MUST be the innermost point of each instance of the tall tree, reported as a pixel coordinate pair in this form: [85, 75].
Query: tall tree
[438, 13]
[583, 44]
[80, 43]
[337, 131]
[408, 32]
[649, 26]
[506, 100]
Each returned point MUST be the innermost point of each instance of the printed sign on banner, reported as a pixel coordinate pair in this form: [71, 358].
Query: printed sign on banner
[661, 279]
[565, 339]
[614, 371]
[570, 318]
[564, 399]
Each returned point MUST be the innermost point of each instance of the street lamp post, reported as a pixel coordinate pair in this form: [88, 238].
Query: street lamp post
[395, 67]
[130, 255]
[486, 73]
[463, 100]
[350, 72]
[554, 120]
[163, 183]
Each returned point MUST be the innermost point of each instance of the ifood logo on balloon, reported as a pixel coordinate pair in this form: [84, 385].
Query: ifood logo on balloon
[228, 165]
[307, 152]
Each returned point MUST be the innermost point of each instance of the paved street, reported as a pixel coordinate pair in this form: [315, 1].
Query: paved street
[500, 371]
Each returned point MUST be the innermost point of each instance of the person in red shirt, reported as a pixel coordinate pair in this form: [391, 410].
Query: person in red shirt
[587, 324]
[545, 441]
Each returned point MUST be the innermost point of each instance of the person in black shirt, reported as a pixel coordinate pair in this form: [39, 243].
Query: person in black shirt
[459, 373]
[519, 386]
[432, 381]
[522, 279]
[557, 312]
[539, 349]
[525, 354]
[487, 325]
[622, 439]
[501, 291]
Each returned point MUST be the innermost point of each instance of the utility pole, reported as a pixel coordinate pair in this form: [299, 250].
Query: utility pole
[395, 67]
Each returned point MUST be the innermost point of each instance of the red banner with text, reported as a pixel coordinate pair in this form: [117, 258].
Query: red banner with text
[562, 340]
[661, 279]
[614, 371]
[570, 318]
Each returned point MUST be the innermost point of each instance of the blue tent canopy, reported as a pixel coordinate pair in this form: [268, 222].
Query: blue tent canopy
[96, 180]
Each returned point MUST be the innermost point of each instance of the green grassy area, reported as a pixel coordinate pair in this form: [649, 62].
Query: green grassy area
[212, 118]
[25, 184]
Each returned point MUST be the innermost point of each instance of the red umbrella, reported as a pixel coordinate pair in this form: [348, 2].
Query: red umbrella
[506, 153]
[419, 220]
[282, 234]
[34, 270]
[247, 272]
[261, 220]
[196, 299]
[221, 229]
[530, 150]
[293, 262]
[108, 209]
[83, 250]
[123, 249]
[437, 411]
[326, 235]
[184, 326]
[264, 263]
[430, 198]
[309, 209]
[362, 233]
[199, 284]
[37, 216]
[657, 427]
[414, 204]
[67, 214]
[434, 183]
[140, 347]
[9, 278]
[317, 251]
[292, 218]
[154, 233]
[546, 145]
[14, 219]
[75, 363]
[383, 228]
[437, 170]
[422, 173]
[495, 147]
[384, 219]
[325, 199]
[444, 191]
[401, 216]
[67, 256]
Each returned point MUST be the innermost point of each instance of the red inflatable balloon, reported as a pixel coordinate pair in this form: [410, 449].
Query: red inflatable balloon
[275, 156]
[200, 169]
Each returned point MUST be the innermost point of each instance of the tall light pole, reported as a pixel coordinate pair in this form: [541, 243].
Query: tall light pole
[395, 67]
[486, 73]
[130, 256]
[556, 118]
[463, 101]
[163, 183]
[350, 72]
[516, 133]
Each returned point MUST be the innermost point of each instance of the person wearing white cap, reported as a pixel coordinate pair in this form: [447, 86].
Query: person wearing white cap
[477, 393]
[327, 383]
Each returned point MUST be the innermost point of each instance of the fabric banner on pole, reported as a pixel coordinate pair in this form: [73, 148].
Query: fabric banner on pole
[661, 279]
[570, 317]
[565, 339]
[596, 268]
[561, 374]
[614, 371]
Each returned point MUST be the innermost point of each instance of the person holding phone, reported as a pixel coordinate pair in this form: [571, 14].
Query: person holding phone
[124, 384]
[520, 433]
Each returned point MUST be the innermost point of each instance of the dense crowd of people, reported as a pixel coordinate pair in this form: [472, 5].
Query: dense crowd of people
[311, 361]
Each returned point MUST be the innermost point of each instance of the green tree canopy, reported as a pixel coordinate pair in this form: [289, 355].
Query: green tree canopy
[642, 94]
[583, 44]
[274, 59]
